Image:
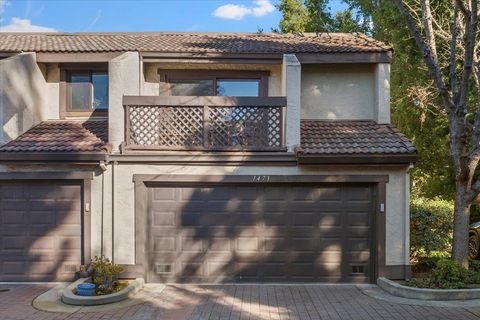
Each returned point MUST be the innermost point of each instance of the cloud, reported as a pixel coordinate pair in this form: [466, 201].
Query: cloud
[238, 12]
[232, 11]
[24, 25]
[263, 7]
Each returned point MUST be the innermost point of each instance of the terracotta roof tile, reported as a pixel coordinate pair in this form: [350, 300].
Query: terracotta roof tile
[190, 42]
[61, 136]
[338, 137]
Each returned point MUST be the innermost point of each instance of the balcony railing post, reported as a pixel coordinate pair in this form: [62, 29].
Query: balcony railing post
[206, 127]
[127, 125]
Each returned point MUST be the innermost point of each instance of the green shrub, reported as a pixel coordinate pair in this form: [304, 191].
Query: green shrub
[425, 263]
[431, 222]
[474, 265]
[105, 274]
[447, 274]
[450, 274]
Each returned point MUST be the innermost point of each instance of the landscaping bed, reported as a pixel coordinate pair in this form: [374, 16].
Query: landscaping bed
[100, 284]
[409, 292]
[443, 273]
[69, 295]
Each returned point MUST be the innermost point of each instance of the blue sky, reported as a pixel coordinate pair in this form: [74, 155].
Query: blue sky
[141, 15]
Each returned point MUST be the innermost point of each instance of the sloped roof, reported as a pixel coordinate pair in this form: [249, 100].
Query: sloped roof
[352, 138]
[61, 136]
[342, 140]
[190, 42]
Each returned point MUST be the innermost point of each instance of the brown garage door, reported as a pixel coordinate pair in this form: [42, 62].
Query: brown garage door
[319, 233]
[40, 230]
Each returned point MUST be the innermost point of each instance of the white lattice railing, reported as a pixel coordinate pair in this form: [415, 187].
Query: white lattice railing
[204, 123]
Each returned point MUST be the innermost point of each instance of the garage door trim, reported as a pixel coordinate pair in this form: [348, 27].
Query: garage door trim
[85, 181]
[143, 182]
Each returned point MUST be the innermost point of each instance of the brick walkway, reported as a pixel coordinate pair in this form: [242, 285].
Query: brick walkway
[179, 302]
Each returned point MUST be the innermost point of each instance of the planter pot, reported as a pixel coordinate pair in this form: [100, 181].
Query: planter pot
[69, 297]
[86, 289]
[399, 290]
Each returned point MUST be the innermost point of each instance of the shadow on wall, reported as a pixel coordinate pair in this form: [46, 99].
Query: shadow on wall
[40, 230]
[259, 233]
[22, 95]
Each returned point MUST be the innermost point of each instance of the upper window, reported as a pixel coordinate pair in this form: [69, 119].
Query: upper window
[209, 83]
[183, 87]
[87, 91]
[238, 88]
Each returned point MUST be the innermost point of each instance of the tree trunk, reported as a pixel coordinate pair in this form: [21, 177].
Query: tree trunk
[461, 222]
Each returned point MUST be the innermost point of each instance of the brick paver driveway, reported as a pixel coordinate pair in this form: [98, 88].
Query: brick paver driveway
[239, 302]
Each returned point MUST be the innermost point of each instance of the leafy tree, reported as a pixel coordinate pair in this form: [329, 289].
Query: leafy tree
[294, 18]
[447, 36]
[315, 16]
[415, 104]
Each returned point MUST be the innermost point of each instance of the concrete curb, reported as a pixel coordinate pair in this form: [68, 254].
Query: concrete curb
[398, 290]
[51, 300]
[69, 297]
[376, 292]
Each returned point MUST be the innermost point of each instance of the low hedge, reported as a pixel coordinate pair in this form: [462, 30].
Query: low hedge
[431, 226]
[447, 274]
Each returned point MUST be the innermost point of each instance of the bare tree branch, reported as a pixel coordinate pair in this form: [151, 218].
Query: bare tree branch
[431, 61]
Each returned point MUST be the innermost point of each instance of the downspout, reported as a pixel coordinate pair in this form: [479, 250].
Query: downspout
[113, 210]
[140, 73]
[104, 168]
[407, 220]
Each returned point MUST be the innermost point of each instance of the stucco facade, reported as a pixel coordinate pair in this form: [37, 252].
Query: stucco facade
[27, 95]
[31, 92]
[113, 200]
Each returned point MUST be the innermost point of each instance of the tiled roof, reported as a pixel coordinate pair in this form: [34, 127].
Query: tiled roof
[190, 42]
[329, 138]
[61, 136]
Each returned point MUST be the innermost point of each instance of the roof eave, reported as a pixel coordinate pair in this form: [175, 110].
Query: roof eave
[53, 156]
[357, 159]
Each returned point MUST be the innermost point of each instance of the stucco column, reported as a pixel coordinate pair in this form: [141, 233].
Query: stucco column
[124, 79]
[24, 96]
[382, 92]
[291, 86]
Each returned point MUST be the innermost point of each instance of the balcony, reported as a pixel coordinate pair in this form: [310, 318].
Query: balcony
[157, 123]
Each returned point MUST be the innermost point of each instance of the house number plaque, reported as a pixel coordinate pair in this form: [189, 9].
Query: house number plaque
[261, 179]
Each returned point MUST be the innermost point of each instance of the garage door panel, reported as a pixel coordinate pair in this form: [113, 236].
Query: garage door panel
[359, 194]
[12, 218]
[163, 194]
[17, 206]
[164, 218]
[260, 233]
[13, 192]
[40, 229]
[14, 243]
[13, 268]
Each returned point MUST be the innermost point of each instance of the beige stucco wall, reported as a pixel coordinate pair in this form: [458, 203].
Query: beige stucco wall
[340, 91]
[124, 79]
[27, 95]
[151, 85]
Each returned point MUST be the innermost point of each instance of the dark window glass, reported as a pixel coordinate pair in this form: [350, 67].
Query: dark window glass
[100, 90]
[191, 87]
[238, 88]
[87, 91]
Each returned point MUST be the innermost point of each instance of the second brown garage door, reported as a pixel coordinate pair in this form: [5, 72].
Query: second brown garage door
[282, 233]
[40, 230]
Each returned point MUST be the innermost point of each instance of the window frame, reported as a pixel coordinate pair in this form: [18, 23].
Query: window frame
[66, 71]
[261, 76]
